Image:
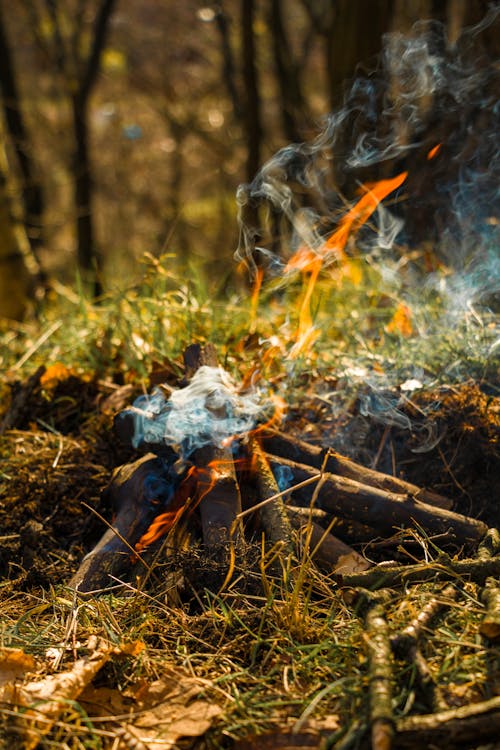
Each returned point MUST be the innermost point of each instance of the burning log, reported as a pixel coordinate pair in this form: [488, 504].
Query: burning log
[139, 491]
[379, 508]
[280, 444]
[220, 499]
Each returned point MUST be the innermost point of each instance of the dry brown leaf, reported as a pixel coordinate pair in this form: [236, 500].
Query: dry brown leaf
[161, 713]
[45, 699]
[14, 664]
[351, 563]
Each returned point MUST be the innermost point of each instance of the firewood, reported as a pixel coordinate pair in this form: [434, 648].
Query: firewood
[273, 515]
[329, 552]
[379, 508]
[138, 491]
[471, 725]
[443, 569]
[490, 595]
[281, 444]
[380, 675]
[220, 499]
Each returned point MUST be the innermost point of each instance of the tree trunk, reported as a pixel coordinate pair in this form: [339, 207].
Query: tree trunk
[17, 279]
[252, 116]
[31, 189]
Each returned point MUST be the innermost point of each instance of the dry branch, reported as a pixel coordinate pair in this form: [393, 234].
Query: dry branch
[273, 514]
[379, 676]
[378, 508]
[405, 646]
[490, 597]
[445, 569]
[280, 444]
[475, 724]
[407, 638]
[129, 491]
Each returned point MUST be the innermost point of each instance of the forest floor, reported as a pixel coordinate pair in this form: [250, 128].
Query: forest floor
[182, 662]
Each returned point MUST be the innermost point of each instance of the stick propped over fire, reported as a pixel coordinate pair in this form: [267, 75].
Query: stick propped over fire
[205, 450]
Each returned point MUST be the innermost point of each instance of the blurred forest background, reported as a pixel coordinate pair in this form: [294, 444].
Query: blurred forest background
[127, 127]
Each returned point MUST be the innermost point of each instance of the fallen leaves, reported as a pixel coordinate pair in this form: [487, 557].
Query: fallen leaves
[159, 713]
[152, 714]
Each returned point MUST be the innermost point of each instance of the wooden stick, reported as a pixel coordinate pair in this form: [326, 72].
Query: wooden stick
[380, 509]
[129, 490]
[273, 514]
[403, 641]
[490, 595]
[471, 725]
[329, 552]
[405, 646]
[220, 501]
[280, 444]
[379, 676]
[388, 576]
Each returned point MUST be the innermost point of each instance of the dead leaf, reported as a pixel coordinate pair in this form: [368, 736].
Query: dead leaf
[351, 563]
[45, 699]
[54, 374]
[163, 711]
[401, 321]
[14, 664]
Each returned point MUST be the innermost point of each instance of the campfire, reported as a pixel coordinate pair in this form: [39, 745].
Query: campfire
[206, 454]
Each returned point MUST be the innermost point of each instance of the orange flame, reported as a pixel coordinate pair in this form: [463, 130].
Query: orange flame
[166, 521]
[254, 300]
[310, 261]
[401, 321]
[434, 151]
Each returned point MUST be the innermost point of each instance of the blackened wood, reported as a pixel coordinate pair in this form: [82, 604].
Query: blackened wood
[280, 444]
[383, 576]
[136, 508]
[328, 552]
[467, 726]
[383, 510]
[220, 501]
